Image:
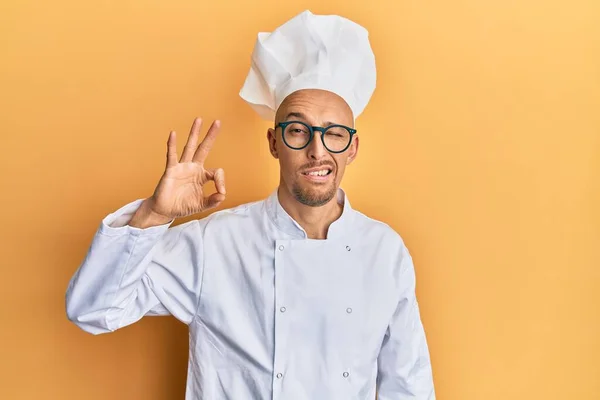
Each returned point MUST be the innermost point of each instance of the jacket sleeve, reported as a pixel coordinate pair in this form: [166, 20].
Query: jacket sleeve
[404, 366]
[130, 272]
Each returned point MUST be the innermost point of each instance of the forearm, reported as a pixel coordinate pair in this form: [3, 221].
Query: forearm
[104, 288]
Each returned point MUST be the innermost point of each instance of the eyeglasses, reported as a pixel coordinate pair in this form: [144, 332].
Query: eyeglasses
[297, 135]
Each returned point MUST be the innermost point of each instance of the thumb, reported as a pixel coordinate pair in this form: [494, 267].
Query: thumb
[214, 200]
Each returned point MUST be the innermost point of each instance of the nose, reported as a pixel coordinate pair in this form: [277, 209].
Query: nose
[315, 148]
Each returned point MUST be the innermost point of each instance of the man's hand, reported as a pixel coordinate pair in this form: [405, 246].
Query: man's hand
[180, 191]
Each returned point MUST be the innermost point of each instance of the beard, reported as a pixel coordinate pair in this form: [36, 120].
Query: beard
[312, 197]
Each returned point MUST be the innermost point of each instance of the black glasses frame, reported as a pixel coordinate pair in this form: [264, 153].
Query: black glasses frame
[312, 130]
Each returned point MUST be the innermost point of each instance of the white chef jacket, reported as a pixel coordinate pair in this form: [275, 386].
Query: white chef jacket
[272, 314]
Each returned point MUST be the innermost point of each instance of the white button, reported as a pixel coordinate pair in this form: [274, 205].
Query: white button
[279, 375]
[282, 309]
[281, 248]
[346, 374]
[349, 310]
[348, 248]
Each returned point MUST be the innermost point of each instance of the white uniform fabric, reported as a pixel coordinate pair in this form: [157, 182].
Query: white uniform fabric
[271, 314]
[310, 51]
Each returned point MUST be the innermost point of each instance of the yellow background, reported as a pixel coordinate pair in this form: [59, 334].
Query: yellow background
[481, 146]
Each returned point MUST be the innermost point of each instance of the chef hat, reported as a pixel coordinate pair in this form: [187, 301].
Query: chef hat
[310, 51]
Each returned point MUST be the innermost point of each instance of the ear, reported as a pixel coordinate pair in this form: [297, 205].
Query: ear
[352, 150]
[272, 138]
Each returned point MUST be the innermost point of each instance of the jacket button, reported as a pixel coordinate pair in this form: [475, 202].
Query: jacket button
[348, 248]
[281, 248]
[279, 375]
[349, 310]
[346, 374]
[282, 309]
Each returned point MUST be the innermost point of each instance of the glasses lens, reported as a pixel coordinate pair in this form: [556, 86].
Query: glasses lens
[296, 135]
[336, 138]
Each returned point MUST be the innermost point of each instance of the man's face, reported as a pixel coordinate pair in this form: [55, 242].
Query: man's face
[315, 108]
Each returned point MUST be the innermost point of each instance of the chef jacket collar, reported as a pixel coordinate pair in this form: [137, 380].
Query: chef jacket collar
[287, 224]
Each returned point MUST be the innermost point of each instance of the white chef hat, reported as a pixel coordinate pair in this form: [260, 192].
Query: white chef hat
[310, 51]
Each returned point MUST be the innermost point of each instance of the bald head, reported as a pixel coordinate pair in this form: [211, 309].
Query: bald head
[320, 106]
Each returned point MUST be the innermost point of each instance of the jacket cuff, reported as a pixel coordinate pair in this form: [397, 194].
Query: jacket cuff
[115, 224]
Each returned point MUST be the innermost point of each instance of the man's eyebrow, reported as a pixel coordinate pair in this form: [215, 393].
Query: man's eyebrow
[303, 116]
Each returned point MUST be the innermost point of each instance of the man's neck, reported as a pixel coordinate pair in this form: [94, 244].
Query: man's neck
[314, 220]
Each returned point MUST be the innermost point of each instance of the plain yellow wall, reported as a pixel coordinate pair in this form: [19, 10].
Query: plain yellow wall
[481, 146]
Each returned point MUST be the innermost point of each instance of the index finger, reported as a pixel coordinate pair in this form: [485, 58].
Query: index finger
[207, 143]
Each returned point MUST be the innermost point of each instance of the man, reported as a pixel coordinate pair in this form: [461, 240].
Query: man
[296, 297]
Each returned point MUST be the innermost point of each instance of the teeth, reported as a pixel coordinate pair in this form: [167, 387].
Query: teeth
[319, 173]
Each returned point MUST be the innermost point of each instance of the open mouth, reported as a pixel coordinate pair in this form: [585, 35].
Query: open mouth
[318, 176]
[320, 173]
